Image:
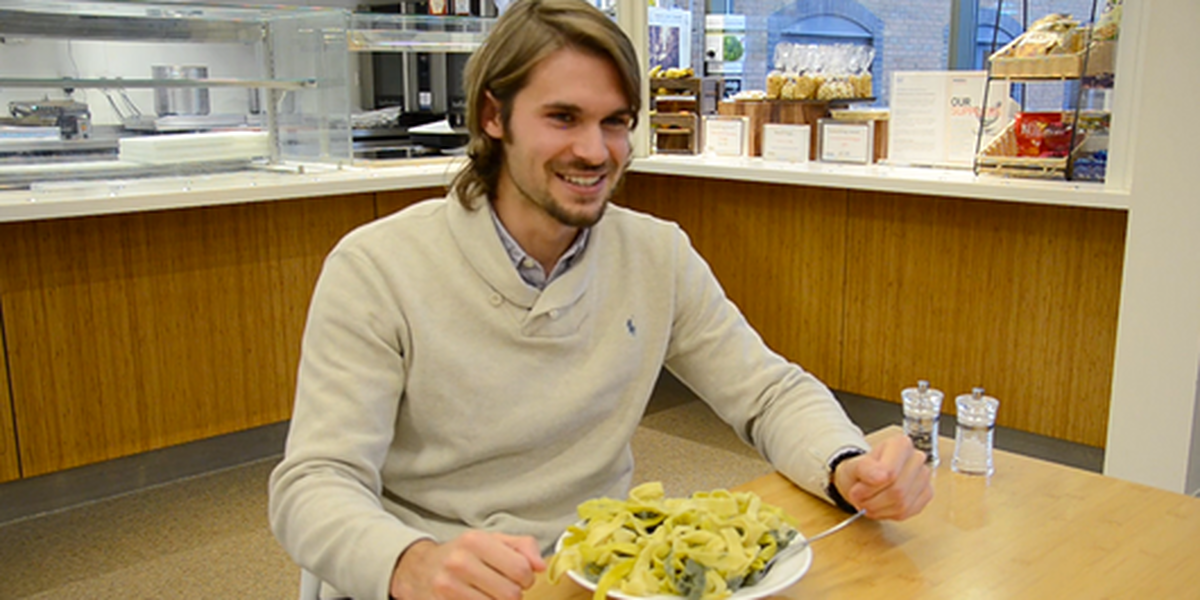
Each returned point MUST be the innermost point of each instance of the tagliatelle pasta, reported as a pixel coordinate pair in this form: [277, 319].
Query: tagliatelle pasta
[702, 548]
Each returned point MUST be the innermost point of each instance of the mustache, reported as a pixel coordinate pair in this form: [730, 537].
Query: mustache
[586, 167]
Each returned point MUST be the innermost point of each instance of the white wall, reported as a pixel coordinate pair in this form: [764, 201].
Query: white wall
[1153, 419]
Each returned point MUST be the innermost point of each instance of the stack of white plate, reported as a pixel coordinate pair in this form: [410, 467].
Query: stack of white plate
[27, 134]
[195, 147]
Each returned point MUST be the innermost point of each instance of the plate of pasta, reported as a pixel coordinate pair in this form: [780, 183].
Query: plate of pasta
[709, 546]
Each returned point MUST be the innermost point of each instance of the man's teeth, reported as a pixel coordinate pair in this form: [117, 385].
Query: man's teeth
[584, 181]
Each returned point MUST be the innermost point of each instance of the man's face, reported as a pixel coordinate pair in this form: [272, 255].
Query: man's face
[567, 142]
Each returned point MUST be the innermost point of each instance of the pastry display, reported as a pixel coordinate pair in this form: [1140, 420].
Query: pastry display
[821, 72]
[1051, 34]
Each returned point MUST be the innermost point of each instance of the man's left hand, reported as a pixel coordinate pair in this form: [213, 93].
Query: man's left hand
[889, 482]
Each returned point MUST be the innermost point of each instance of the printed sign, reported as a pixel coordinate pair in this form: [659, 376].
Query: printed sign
[935, 116]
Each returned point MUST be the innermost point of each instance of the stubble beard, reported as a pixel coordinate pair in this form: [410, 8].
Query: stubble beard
[560, 212]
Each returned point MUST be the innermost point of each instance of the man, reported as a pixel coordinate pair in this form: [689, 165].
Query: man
[474, 367]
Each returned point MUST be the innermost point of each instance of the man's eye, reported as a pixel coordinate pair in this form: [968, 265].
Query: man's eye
[618, 122]
[565, 118]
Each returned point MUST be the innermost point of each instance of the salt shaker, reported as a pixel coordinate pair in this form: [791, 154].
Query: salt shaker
[922, 408]
[973, 435]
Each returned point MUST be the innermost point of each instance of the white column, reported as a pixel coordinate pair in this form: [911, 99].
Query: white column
[631, 16]
[1153, 418]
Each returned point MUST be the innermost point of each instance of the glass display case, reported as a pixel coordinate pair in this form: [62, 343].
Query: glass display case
[123, 90]
[411, 69]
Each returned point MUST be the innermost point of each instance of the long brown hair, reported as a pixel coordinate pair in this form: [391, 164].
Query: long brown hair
[527, 33]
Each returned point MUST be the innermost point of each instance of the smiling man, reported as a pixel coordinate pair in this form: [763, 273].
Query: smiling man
[565, 149]
[475, 367]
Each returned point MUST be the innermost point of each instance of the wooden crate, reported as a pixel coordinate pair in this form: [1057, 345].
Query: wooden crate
[802, 112]
[669, 95]
[759, 113]
[691, 94]
[878, 119]
[677, 133]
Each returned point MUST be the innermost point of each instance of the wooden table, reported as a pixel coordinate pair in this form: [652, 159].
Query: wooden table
[1033, 530]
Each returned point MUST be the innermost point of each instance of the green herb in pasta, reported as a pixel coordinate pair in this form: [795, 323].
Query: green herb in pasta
[702, 548]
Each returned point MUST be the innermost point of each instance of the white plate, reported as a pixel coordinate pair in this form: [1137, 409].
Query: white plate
[783, 575]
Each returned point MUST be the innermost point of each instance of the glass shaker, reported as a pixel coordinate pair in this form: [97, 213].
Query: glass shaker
[922, 408]
[973, 435]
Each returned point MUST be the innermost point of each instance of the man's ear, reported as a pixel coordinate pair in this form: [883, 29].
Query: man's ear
[493, 124]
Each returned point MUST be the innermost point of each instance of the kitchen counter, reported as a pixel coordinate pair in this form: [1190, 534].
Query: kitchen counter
[99, 197]
[961, 183]
[195, 289]
[58, 199]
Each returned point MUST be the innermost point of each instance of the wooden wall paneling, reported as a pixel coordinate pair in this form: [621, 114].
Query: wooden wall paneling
[128, 333]
[779, 252]
[389, 202]
[1021, 299]
[10, 466]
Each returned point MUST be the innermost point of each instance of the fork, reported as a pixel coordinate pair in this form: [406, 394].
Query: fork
[795, 548]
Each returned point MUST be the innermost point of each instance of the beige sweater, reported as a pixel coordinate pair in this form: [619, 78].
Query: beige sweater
[439, 392]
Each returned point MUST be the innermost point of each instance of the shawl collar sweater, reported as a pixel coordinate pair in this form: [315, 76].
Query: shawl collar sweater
[438, 392]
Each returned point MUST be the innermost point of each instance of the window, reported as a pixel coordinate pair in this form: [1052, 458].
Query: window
[912, 35]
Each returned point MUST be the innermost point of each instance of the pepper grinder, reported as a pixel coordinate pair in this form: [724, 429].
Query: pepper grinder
[922, 409]
[973, 434]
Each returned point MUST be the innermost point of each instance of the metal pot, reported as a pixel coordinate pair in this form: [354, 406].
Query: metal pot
[180, 100]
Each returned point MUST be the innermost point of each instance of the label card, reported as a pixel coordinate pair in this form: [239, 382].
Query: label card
[726, 135]
[789, 143]
[847, 142]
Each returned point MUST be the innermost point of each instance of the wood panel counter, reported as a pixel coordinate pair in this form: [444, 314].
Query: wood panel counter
[873, 291]
[142, 317]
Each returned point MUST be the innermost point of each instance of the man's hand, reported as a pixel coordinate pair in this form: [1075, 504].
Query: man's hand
[889, 482]
[475, 565]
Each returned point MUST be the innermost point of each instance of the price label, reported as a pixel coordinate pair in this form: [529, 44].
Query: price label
[846, 142]
[726, 136]
[789, 143]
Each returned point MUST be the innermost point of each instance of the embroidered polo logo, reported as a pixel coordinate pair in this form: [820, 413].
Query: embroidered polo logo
[631, 327]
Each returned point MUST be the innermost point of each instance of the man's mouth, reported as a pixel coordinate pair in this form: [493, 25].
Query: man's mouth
[582, 180]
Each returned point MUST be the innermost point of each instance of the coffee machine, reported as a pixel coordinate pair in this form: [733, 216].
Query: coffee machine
[423, 84]
[73, 119]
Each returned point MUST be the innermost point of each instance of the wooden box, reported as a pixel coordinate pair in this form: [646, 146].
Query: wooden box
[802, 112]
[675, 133]
[758, 111]
[690, 94]
[880, 120]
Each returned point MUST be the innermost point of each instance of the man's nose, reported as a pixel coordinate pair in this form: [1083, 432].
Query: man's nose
[590, 146]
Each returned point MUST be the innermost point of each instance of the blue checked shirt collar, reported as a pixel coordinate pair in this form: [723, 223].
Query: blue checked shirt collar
[528, 268]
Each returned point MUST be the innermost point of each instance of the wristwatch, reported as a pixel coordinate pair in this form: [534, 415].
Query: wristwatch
[831, 489]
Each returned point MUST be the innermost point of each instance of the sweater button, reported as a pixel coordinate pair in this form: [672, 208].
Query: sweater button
[495, 299]
[554, 314]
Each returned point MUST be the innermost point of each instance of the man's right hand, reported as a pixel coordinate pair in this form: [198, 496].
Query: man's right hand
[475, 565]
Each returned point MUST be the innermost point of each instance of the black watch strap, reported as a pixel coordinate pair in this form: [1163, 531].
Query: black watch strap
[832, 490]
